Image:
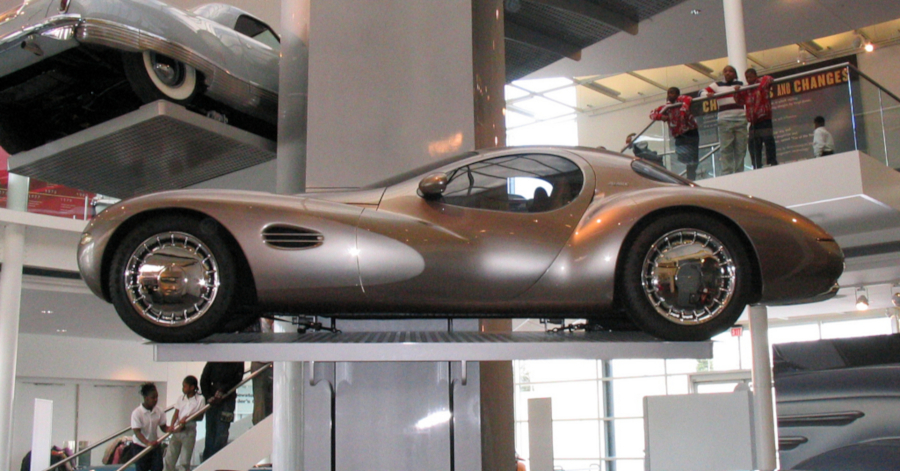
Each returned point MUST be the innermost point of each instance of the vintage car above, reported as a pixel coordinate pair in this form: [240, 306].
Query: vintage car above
[544, 232]
[66, 65]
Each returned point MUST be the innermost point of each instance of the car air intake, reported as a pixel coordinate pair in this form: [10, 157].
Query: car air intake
[289, 237]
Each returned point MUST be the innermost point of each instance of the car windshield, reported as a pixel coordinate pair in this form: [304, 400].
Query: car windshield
[419, 171]
[657, 173]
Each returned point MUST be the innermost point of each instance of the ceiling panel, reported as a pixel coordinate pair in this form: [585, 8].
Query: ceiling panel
[630, 87]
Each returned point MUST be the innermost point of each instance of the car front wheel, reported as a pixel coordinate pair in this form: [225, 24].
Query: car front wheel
[154, 76]
[173, 279]
[687, 278]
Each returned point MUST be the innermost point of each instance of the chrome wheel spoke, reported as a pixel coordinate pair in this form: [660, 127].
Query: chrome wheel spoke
[171, 279]
[688, 276]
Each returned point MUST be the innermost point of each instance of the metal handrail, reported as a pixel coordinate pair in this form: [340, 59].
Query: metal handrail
[750, 87]
[193, 416]
[95, 445]
[127, 429]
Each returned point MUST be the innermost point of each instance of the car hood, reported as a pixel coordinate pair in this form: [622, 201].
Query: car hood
[366, 198]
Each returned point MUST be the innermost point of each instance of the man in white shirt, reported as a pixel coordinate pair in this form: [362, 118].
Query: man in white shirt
[145, 421]
[823, 142]
[732, 121]
[184, 431]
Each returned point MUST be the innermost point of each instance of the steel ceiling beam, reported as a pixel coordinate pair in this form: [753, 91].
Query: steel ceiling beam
[525, 35]
[702, 69]
[595, 12]
[647, 80]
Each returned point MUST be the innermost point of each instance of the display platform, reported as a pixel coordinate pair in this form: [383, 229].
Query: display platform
[430, 346]
[160, 146]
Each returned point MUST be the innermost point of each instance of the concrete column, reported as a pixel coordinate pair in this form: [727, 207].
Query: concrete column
[293, 84]
[10, 299]
[498, 444]
[288, 377]
[763, 393]
[288, 413]
[734, 35]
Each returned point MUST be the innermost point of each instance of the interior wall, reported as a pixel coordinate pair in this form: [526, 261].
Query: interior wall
[98, 359]
[390, 88]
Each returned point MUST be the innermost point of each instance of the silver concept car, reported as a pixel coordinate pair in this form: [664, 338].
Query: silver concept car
[541, 232]
[66, 65]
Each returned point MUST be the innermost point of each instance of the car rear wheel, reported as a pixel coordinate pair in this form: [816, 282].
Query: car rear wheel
[173, 279]
[154, 76]
[686, 278]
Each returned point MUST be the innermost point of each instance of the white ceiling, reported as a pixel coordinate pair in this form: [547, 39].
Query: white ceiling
[678, 37]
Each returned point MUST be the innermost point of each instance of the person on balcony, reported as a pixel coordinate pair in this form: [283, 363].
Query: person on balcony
[758, 109]
[683, 128]
[823, 142]
[732, 122]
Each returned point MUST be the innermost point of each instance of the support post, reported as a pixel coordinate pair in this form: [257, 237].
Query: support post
[734, 35]
[10, 300]
[287, 409]
[763, 393]
[293, 79]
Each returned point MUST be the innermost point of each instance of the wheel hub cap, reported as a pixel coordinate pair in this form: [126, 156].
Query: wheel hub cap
[171, 279]
[169, 71]
[689, 276]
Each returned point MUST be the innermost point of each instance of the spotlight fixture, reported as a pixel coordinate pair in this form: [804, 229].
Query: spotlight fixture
[803, 56]
[862, 299]
[869, 47]
[895, 295]
[858, 41]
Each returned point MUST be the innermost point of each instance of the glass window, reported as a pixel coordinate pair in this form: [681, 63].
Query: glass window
[249, 26]
[582, 439]
[517, 183]
[856, 328]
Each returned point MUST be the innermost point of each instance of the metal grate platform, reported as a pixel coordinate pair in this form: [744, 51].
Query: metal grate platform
[161, 146]
[430, 346]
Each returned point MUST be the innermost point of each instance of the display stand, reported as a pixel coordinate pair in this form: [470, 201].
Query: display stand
[393, 397]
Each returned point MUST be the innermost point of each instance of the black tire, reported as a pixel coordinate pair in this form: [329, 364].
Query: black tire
[190, 293]
[687, 277]
[157, 77]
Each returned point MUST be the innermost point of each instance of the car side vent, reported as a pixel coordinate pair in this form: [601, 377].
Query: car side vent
[289, 237]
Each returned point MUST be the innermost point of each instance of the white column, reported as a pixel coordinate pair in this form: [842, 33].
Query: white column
[763, 393]
[10, 299]
[287, 409]
[734, 35]
[288, 377]
[293, 80]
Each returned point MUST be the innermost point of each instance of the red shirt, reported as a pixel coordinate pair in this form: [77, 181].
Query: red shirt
[679, 118]
[756, 101]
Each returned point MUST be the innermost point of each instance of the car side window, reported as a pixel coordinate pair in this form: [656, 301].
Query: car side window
[249, 26]
[529, 183]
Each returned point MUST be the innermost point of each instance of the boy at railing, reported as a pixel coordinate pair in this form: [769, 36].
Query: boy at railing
[758, 109]
[732, 122]
[683, 128]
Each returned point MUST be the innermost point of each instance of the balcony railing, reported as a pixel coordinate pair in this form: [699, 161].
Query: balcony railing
[860, 114]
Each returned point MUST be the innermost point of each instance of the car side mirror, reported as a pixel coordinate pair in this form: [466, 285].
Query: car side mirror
[433, 186]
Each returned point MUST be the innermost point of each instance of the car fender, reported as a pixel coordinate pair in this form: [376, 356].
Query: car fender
[782, 244]
[279, 274]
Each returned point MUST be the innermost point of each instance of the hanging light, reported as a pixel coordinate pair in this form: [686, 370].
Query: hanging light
[862, 299]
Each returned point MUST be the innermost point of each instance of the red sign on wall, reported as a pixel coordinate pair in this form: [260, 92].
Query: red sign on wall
[48, 198]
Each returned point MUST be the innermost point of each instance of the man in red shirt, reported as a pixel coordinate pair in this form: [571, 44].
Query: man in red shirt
[677, 113]
[759, 114]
